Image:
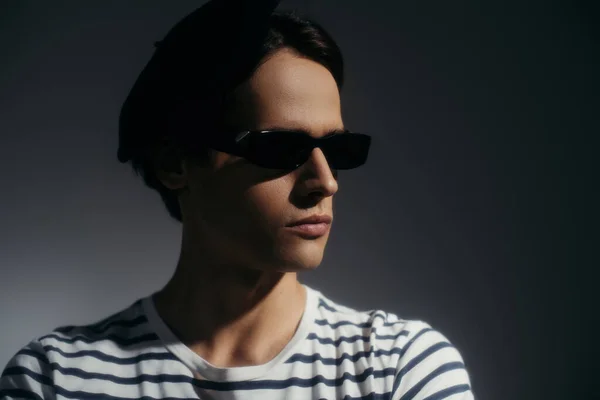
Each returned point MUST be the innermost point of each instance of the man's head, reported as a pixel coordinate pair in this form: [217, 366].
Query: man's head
[242, 211]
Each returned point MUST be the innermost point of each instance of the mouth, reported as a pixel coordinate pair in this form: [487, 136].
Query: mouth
[312, 227]
[310, 231]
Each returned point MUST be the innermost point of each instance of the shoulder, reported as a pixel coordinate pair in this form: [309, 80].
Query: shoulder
[122, 328]
[383, 329]
[113, 334]
[424, 363]
[32, 371]
[429, 365]
[27, 374]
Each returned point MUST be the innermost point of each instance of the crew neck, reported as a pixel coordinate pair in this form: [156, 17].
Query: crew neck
[204, 369]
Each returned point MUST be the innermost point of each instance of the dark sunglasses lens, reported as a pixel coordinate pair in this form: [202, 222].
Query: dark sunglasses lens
[288, 150]
[347, 150]
[280, 150]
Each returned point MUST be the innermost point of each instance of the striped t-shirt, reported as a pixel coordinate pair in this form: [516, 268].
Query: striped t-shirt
[336, 353]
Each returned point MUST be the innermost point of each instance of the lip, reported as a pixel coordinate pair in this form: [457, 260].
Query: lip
[313, 219]
[312, 227]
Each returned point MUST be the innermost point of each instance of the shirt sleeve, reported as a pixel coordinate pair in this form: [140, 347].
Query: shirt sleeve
[431, 368]
[28, 375]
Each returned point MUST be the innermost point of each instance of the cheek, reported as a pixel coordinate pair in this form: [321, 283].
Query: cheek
[250, 221]
[268, 203]
[247, 213]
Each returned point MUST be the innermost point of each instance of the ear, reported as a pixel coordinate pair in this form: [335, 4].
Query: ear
[170, 168]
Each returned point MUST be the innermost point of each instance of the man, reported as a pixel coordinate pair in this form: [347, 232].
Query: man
[236, 122]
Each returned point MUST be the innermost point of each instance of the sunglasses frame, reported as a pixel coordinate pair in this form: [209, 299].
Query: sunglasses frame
[238, 143]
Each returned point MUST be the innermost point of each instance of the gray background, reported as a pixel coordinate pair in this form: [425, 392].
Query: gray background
[468, 215]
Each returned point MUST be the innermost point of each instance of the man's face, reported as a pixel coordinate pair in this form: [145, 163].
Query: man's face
[239, 210]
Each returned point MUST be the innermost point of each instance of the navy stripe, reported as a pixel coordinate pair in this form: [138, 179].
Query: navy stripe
[116, 316]
[426, 353]
[65, 329]
[368, 324]
[229, 386]
[392, 323]
[334, 325]
[326, 306]
[378, 314]
[32, 353]
[99, 329]
[125, 323]
[370, 396]
[442, 394]
[434, 374]
[136, 380]
[309, 359]
[348, 339]
[44, 380]
[18, 394]
[113, 359]
[150, 337]
[374, 314]
[391, 337]
[294, 382]
[418, 335]
[352, 339]
[87, 395]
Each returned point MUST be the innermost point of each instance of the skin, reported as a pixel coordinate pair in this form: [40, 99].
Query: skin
[234, 298]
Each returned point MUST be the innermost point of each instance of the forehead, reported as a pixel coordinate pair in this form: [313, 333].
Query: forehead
[288, 91]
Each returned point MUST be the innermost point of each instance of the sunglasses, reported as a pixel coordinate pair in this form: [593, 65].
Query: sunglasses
[289, 149]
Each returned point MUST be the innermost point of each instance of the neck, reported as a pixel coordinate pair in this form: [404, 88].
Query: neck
[230, 315]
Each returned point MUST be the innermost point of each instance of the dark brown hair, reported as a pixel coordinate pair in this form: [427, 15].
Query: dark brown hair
[286, 30]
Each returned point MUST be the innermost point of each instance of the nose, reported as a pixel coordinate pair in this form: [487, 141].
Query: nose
[317, 177]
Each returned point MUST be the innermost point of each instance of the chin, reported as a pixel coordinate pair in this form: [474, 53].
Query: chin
[303, 256]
